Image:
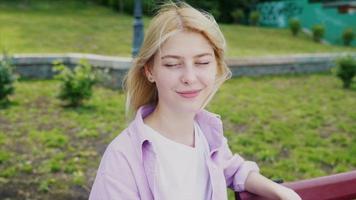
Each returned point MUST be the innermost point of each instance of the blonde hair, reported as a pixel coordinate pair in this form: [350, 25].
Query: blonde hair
[171, 18]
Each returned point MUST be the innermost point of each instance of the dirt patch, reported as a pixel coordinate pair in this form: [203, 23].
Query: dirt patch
[76, 192]
[327, 130]
[5, 125]
[327, 167]
[284, 153]
[236, 128]
[27, 186]
[45, 126]
[240, 128]
[17, 189]
[39, 102]
[3, 121]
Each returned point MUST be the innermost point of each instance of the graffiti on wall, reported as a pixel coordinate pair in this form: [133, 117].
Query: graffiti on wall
[277, 13]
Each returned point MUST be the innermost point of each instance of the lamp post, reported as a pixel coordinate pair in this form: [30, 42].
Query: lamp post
[138, 28]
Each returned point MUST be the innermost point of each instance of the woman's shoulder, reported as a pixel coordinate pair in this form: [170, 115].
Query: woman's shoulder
[119, 158]
[121, 142]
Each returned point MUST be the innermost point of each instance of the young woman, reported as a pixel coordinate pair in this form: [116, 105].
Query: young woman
[173, 148]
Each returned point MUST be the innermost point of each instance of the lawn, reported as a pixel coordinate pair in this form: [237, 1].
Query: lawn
[294, 127]
[45, 26]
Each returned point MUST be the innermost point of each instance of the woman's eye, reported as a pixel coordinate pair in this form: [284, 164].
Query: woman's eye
[203, 63]
[171, 65]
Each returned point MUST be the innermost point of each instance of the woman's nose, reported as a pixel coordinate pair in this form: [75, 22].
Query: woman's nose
[189, 75]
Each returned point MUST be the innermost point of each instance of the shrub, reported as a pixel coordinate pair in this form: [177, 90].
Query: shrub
[76, 85]
[45, 185]
[294, 26]
[55, 166]
[318, 32]
[78, 178]
[348, 36]
[8, 172]
[4, 156]
[128, 5]
[26, 167]
[345, 70]
[238, 15]
[7, 78]
[215, 12]
[254, 18]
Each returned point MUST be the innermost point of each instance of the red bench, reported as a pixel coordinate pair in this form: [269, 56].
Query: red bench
[335, 187]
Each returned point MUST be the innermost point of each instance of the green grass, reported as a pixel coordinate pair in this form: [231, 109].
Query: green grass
[51, 151]
[70, 26]
[294, 127]
[254, 41]
[57, 28]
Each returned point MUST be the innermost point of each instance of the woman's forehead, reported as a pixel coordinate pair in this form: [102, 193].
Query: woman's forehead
[186, 43]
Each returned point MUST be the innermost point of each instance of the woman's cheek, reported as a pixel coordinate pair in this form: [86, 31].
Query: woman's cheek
[209, 78]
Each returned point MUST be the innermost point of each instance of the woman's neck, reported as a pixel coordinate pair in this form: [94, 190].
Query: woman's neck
[176, 126]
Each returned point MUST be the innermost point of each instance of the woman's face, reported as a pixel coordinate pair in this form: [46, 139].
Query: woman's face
[184, 71]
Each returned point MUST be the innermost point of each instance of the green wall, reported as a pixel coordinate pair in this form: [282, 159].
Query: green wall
[277, 14]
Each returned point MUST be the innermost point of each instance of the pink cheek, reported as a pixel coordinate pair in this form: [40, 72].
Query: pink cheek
[208, 78]
[164, 84]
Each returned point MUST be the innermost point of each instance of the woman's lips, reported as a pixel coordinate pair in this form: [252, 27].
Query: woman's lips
[189, 94]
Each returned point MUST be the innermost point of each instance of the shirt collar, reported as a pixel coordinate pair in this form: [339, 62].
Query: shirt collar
[209, 123]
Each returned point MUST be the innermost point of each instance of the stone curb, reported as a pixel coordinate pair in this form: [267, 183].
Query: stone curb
[40, 65]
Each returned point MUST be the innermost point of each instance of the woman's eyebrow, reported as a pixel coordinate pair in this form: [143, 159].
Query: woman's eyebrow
[203, 54]
[179, 57]
[170, 56]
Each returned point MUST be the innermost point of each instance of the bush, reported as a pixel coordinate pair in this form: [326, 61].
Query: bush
[215, 12]
[220, 9]
[76, 84]
[345, 70]
[294, 26]
[238, 15]
[254, 18]
[348, 36]
[318, 32]
[127, 6]
[7, 78]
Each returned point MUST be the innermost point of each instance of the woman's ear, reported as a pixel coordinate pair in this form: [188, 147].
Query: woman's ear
[148, 73]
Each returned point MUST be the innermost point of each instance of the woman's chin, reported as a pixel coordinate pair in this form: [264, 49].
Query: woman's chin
[190, 108]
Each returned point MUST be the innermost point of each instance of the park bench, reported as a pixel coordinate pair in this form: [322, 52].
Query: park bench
[334, 187]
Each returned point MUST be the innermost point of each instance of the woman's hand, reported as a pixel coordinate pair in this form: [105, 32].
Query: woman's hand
[262, 186]
[285, 193]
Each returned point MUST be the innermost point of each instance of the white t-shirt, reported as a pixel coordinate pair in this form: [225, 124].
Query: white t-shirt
[183, 174]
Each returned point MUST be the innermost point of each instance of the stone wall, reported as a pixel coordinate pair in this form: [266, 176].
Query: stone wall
[294, 64]
[40, 65]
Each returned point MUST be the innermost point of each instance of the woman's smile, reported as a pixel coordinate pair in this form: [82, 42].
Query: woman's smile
[189, 94]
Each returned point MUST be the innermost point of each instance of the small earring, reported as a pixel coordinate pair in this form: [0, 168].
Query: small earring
[150, 79]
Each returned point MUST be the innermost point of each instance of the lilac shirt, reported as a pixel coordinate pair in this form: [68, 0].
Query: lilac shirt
[127, 169]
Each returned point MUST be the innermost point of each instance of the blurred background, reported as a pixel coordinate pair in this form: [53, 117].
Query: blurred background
[291, 105]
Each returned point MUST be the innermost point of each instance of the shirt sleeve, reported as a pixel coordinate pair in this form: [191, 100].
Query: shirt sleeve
[114, 179]
[236, 169]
